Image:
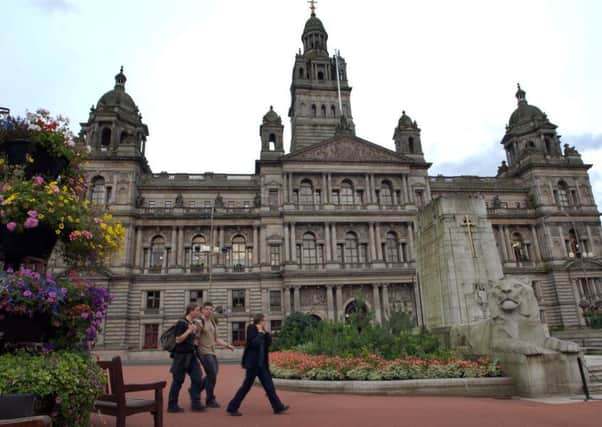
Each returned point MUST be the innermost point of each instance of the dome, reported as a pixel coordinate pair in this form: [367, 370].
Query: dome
[272, 117]
[313, 24]
[405, 121]
[118, 97]
[525, 113]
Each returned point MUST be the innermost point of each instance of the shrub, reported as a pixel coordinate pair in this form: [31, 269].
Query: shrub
[297, 329]
[70, 381]
[323, 374]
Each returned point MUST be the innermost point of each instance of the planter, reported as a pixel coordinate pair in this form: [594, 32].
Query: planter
[17, 405]
[44, 163]
[35, 242]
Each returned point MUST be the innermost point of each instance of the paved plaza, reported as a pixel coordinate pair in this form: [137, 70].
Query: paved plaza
[309, 409]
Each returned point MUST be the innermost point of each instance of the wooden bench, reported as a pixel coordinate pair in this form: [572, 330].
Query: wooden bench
[39, 421]
[115, 402]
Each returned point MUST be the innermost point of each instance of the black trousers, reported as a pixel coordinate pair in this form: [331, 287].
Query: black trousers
[263, 373]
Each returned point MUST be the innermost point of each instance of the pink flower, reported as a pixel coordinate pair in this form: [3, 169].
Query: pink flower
[11, 226]
[32, 213]
[87, 234]
[84, 315]
[38, 180]
[30, 222]
[27, 293]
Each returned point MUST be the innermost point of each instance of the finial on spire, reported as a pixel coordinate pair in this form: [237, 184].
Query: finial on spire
[120, 79]
[121, 69]
[520, 94]
[312, 7]
[271, 108]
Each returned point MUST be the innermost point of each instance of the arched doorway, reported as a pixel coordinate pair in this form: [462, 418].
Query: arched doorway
[315, 317]
[354, 307]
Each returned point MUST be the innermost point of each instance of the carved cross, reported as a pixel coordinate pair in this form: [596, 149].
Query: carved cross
[312, 6]
[469, 224]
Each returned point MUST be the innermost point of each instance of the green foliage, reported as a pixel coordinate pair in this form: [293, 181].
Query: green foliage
[297, 329]
[358, 337]
[323, 374]
[71, 381]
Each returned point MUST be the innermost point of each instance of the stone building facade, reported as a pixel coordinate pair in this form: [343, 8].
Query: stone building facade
[331, 220]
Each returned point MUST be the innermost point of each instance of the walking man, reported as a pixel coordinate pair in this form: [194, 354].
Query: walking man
[255, 361]
[185, 362]
[207, 342]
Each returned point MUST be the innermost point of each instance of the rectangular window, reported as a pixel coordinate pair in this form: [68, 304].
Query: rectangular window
[273, 198]
[335, 197]
[151, 335]
[196, 296]
[191, 203]
[168, 204]
[419, 198]
[207, 203]
[108, 194]
[275, 300]
[238, 299]
[339, 253]
[274, 255]
[153, 300]
[275, 326]
[151, 203]
[238, 334]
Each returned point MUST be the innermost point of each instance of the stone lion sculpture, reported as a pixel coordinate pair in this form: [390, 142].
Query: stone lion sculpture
[513, 326]
[538, 363]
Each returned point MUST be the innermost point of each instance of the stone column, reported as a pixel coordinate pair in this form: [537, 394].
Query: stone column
[164, 264]
[330, 313]
[340, 309]
[386, 306]
[411, 241]
[221, 245]
[293, 244]
[327, 242]
[376, 303]
[285, 188]
[329, 183]
[297, 298]
[255, 245]
[181, 261]
[508, 244]
[368, 191]
[503, 243]
[404, 190]
[590, 240]
[287, 301]
[372, 242]
[325, 197]
[290, 187]
[333, 235]
[565, 251]
[174, 245]
[373, 189]
[379, 246]
[394, 196]
[536, 243]
[287, 247]
[410, 198]
[138, 260]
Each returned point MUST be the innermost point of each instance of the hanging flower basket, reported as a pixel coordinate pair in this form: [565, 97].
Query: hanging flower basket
[16, 150]
[35, 242]
[35, 159]
[19, 328]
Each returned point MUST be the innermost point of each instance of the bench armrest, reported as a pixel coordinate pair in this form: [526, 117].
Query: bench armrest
[146, 386]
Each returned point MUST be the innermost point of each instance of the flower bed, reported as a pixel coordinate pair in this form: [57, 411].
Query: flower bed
[296, 365]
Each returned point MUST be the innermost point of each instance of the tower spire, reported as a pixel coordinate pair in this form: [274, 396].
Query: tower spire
[312, 7]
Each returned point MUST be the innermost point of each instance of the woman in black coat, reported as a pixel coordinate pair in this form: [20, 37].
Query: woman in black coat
[256, 361]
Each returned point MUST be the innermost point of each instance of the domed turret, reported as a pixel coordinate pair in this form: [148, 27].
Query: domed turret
[525, 113]
[314, 35]
[115, 124]
[407, 137]
[271, 132]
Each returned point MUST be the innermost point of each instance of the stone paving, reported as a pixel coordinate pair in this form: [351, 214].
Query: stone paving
[309, 409]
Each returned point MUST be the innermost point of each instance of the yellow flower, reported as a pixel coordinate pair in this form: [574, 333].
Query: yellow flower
[57, 232]
[61, 225]
[10, 198]
[41, 216]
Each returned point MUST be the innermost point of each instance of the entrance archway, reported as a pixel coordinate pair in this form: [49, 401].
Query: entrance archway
[353, 307]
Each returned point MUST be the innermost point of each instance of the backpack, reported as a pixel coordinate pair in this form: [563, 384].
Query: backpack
[168, 338]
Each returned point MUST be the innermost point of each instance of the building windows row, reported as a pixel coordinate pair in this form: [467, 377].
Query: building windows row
[346, 194]
[565, 197]
[237, 335]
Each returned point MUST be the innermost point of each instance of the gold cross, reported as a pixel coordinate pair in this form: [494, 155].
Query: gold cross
[312, 7]
[468, 224]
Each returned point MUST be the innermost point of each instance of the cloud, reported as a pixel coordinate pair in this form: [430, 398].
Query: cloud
[54, 5]
[584, 142]
[484, 163]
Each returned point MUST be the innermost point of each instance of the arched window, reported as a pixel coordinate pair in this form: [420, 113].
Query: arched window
[519, 248]
[272, 142]
[306, 193]
[157, 253]
[105, 139]
[313, 110]
[123, 137]
[354, 308]
[323, 110]
[98, 190]
[239, 250]
[320, 75]
[573, 244]
[346, 193]
[333, 111]
[351, 255]
[391, 248]
[385, 194]
[301, 73]
[199, 252]
[562, 195]
[411, 144]
[309, 249]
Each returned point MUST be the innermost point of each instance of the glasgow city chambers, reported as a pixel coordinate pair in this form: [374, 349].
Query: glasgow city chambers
[331, 220]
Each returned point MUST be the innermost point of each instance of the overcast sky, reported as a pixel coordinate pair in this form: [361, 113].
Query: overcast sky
[204, 72]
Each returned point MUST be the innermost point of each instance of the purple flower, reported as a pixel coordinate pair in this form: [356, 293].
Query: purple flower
[84, 315]
[38, 180]
[11, 226]
[31, 222]
[52, 294]
[32, 213]
[27, 293]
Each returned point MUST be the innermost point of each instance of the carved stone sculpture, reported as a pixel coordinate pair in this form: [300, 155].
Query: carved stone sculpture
[539, 363]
